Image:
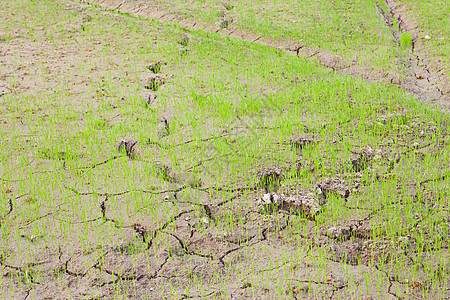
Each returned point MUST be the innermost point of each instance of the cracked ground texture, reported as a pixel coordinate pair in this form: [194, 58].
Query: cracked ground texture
[360, 38]
[145, 159]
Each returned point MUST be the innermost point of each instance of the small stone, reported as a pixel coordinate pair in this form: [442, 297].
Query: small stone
[266, 198]
[275, 198]
[271, 198]
[321, 198]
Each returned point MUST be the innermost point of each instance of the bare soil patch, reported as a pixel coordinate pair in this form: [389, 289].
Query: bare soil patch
[124, 200]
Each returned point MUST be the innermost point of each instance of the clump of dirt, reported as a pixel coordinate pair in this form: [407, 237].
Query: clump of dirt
[365, 252]
[332, 186]
[344, 233]
[362, 160]
[154, 83]
[166, 173]
[270, 178]
[228, 6]
[140, 230]
[87, 18]
[302, 203]
[163, 128]
[299, 142]
[156, 67]
[150, 99]
[225, 23]
[130, 148]
[184, 41]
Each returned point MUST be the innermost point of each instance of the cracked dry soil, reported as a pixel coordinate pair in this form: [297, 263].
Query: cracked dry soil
[214, 242]
[427, 83]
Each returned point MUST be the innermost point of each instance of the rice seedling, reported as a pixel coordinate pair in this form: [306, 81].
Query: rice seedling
[251, 173]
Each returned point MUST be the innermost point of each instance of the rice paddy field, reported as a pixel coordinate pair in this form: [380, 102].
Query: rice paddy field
[224, 150]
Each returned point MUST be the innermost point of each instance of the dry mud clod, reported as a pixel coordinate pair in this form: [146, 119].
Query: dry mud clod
[228, 6]
[332, 186]
[303, 203]
[150, 99]
[269, 178]
[225, 23]
[163, 128]
[130, 148]
[363, 231]
[184, 41]
[363, 159]
[154, 83]
[141, 231]
[299, 142]
[87, 18]
[156, 67]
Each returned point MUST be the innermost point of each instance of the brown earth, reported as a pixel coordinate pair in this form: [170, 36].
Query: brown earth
[167, 260]
[421, 80]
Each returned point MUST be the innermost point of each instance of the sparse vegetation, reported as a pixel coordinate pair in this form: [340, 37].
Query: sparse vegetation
[140, 165]
[406, 40]
[433, 22]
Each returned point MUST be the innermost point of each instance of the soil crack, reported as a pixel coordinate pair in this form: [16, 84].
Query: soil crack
[324, 58]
